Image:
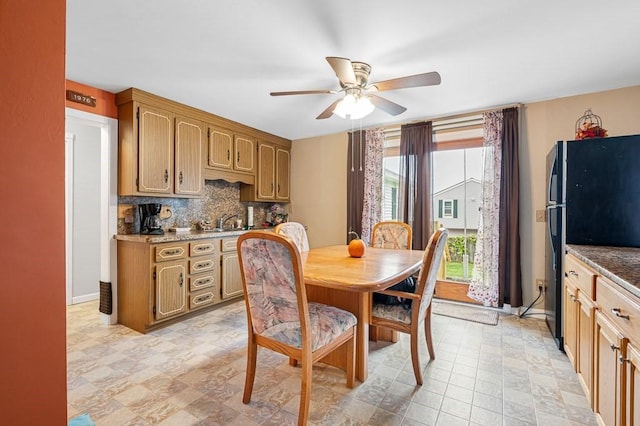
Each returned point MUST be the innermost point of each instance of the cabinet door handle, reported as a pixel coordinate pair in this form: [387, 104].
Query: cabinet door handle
[166, 175]
[613, 347]
[180, 178]
[622, 360]
[238, 157]
[181, 279]
[574, 273]
[616, 312]
[278, 188]
[228, 155]
[572, 297]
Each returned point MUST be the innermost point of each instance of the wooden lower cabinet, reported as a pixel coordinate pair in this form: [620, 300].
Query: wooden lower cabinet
[570, 321]
[171, 289]
[579, 317]
[231, 278]
[160, 282]
[633, 385]
[586, 322]
[607, 372]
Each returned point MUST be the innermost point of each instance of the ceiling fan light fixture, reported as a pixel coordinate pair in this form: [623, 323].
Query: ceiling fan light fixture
[354, 108]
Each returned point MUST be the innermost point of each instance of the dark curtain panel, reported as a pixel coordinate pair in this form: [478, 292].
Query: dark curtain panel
[510, 268]
[415, 180]
[355, 182]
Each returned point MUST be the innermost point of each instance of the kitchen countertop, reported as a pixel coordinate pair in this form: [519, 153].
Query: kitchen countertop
[183, 236]
[620, 264]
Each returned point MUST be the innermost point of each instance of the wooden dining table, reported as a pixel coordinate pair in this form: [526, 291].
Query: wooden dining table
[333, 277]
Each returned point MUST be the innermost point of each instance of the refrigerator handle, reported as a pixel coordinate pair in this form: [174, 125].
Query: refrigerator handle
[553, 171]
[551, 240]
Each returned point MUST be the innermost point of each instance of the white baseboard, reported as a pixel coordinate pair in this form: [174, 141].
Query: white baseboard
[85, 298]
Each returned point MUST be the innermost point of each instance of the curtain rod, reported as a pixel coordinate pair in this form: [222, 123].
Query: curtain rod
[460, 115]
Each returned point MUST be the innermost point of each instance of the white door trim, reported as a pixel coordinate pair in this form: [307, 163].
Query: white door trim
[108, 202]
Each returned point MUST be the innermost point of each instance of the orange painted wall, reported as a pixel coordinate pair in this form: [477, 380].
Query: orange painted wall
[32, 285]
[105, 101]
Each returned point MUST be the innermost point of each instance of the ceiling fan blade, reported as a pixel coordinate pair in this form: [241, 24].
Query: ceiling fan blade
[329, 111]
[426, 79]
[343, 69]
[303, 92]
[386, 105]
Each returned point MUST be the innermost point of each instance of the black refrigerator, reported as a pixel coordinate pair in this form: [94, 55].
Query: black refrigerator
[593, 198]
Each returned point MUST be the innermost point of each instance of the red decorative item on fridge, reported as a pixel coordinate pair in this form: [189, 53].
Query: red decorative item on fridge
[590, 126]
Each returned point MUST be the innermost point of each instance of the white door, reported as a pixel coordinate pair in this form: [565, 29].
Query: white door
[91, 206]
[83, 206]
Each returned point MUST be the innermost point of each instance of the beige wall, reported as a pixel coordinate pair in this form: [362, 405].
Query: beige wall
[319, 170]
[543, 124]
[319, 188]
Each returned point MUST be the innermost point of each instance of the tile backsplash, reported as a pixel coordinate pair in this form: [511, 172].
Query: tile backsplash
[220, 198]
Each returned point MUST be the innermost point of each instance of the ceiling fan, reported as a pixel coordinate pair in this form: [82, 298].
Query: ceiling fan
[359, 99]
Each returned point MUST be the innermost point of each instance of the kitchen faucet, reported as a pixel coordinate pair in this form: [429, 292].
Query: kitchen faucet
[224, 219]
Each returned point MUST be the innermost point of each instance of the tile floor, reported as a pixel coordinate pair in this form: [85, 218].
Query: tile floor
[192, 373]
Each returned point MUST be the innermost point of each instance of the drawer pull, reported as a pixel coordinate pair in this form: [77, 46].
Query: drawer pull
[202, 248]
[203, 282]
[203, 265]
[574, 273]
[172, 252]
[201, 299]
[614, 347]
[616, 312]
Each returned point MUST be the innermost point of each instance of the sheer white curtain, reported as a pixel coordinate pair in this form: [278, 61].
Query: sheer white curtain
[372, 200]
[484, 286]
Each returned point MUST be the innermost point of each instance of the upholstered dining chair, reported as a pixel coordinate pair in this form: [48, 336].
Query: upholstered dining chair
[296, 232]
[281, 319]
[391, 234]
[399, 318]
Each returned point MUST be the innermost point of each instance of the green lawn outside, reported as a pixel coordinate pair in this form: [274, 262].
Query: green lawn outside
[454, 271]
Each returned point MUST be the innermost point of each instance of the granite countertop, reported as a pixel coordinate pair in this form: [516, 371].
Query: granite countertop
[620, 264]
[182, 236]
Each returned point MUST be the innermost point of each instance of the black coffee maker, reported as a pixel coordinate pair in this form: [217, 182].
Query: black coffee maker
[150, 219]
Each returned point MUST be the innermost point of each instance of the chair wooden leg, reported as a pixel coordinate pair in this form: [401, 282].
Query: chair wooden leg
[415, 358]
[351, 359]
[305, 392]
[427, 333]
[252, 353]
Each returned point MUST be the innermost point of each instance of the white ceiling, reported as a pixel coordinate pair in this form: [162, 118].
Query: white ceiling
[225, 56]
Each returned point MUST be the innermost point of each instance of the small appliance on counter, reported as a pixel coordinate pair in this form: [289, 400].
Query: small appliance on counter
[150, 219]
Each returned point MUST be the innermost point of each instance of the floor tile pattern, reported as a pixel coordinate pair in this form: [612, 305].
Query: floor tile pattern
[192, 373]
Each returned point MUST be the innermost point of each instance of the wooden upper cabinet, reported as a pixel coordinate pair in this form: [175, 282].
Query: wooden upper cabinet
[244, 159]
[169, 149]
[220, 148]
[189, 148]
[283, 172]
[272, 176]
[229, 151]
[155, 150]
[266, 171]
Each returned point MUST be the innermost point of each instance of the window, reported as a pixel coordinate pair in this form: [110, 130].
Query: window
[448, 208]
[456, 179]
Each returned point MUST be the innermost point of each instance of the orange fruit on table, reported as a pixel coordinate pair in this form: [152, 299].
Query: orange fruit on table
[356, 246]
